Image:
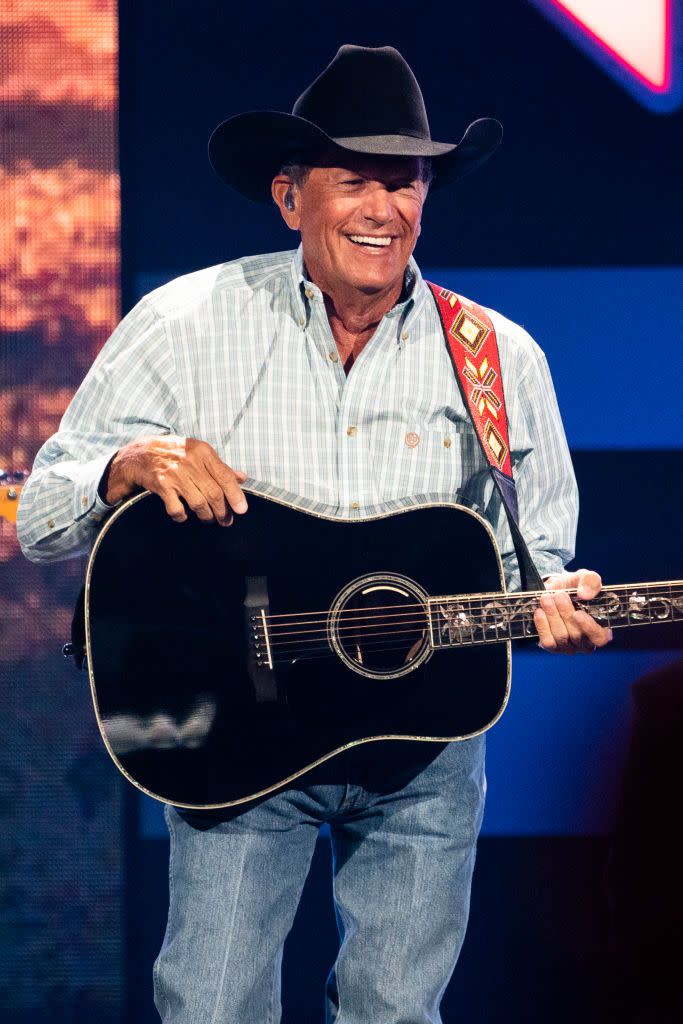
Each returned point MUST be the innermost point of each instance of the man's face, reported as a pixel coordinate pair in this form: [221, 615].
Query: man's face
[359, 223]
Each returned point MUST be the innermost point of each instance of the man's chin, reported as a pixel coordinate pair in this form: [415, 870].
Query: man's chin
[372, 289]
[375, 284]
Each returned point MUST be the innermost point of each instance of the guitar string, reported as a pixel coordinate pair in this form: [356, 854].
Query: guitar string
[348, 632]
[608, 588]
[473, 623]
[381, 645]
[418, 604]
[484, 599]
[323, 649]
[371, 609]
[502, 598]
[474, 614]
[368, 616]
[482, 612]
[506, 595]
[419, 626]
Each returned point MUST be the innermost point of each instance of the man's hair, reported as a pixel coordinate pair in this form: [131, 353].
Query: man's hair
[426, 174]
[298, 169]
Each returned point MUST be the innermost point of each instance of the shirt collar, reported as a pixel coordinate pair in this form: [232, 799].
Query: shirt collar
[408, 306]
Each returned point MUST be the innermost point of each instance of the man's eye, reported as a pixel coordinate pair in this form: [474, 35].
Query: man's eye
[353, 181]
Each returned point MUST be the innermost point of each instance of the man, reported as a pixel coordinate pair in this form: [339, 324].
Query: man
[323, 372]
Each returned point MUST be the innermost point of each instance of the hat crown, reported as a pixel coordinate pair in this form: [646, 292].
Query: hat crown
[365, 91]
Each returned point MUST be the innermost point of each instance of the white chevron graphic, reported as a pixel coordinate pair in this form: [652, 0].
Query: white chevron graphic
[635, 31]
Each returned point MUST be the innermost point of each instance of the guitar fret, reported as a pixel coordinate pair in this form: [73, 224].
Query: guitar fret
[474, 619]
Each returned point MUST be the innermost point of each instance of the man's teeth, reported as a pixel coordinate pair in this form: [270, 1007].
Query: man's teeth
[369, 240]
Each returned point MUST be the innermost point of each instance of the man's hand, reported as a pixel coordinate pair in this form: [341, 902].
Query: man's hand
[174, 468]
[560, 626]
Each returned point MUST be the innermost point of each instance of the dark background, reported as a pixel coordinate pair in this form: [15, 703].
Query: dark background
[585, 175]
[586, 178]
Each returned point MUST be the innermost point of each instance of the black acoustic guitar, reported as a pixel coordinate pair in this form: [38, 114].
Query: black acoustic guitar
[226, 662]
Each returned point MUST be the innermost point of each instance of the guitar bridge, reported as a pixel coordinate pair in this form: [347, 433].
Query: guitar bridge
[259, 635]
[259, 657]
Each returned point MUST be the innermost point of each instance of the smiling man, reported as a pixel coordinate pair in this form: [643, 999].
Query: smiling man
[324, 375]
[359, 220]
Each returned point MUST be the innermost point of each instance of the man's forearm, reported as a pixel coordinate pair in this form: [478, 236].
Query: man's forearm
[60, 509]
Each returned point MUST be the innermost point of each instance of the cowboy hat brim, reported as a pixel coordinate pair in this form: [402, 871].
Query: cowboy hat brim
[248, 150]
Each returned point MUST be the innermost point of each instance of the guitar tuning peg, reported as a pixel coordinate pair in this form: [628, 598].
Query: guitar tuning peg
[16, 476]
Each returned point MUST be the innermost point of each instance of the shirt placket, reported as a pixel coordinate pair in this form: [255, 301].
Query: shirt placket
[330, 378]
[361, 400]
[353, 399]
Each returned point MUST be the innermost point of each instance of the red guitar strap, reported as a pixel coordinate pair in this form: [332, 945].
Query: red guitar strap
[473, 347]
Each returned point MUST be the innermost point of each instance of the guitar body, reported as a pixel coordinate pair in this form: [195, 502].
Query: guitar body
[226, 662]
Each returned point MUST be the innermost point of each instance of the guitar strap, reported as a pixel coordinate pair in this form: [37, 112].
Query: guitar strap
[473, 347]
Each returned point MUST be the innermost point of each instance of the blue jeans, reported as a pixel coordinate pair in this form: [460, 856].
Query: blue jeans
[404, 820]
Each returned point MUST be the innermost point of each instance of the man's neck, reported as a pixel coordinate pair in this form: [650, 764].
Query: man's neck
[354, 315]
[354, 323]
[359, 313]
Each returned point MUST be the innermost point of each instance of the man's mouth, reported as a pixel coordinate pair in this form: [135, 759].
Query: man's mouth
[371, 241]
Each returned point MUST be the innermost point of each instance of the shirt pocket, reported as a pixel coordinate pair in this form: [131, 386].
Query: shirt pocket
[420, 456]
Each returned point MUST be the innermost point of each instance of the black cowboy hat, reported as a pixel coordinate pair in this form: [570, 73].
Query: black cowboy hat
[365, 101]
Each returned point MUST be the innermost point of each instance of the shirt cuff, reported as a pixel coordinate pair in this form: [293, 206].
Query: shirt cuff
[545, 566]
[86, 479]
[546, 569]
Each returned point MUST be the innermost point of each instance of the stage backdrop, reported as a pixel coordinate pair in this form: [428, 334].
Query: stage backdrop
[60, 851]
[573, 229]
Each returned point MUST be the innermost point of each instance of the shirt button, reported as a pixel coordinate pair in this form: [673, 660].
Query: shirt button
[354, 504]
[334, 357]
[447, 442]
[97, 518]
[84, 501]
[309, 293]
[51, 524]
[405, 336]
[412, 439]
[302, 321]
[351, 431]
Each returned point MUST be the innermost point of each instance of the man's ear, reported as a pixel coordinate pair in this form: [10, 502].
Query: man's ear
[286, 197]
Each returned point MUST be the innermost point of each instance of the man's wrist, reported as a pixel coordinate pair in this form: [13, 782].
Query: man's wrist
[104, 483]
[112, 487]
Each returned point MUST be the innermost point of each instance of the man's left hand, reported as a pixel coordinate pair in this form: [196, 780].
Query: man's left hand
[563, 629]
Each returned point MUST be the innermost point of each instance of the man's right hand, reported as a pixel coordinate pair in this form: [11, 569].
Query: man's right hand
[178, 468]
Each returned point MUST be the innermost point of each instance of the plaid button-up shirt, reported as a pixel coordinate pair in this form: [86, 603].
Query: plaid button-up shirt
[242, 355]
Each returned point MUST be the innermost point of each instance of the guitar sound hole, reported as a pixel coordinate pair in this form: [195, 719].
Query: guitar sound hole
[379, 626]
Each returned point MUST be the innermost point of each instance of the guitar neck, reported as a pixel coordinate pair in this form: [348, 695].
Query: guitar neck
[462, 620]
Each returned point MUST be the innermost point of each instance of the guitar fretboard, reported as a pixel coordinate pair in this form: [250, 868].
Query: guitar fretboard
[457, 621]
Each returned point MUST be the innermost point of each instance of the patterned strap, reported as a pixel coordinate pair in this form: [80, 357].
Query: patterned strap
[473, 347]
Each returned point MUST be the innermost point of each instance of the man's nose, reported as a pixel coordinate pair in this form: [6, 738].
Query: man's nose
[378, 205]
